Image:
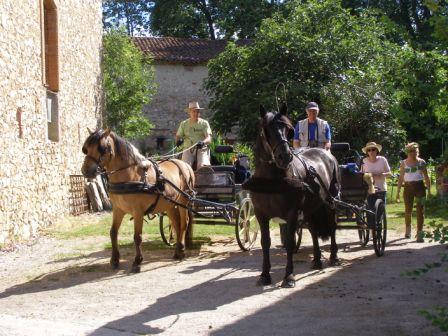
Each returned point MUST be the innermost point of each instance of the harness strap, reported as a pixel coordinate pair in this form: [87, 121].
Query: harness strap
[152, 206]
[311, 176]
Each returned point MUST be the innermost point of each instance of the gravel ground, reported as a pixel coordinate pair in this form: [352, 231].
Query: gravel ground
[56, 287]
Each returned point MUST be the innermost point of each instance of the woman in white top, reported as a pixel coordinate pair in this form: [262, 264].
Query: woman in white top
[414, 176]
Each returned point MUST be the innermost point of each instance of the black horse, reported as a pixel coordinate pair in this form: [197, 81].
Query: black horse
[284, 184]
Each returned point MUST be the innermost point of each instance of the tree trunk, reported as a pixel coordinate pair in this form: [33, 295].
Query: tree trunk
[202, 6]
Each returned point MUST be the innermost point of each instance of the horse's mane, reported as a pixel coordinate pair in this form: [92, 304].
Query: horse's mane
[123, 148]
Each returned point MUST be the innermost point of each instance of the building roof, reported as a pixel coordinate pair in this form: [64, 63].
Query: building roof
[182, 50]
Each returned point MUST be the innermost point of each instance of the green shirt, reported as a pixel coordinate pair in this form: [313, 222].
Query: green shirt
[193, 132]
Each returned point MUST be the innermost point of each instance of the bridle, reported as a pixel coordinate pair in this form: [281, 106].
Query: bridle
[103, 152]
[268, 147]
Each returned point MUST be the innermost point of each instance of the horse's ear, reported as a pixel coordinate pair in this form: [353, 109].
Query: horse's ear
[262, 111]
[106, 133]
[284, 109]
[90, 132]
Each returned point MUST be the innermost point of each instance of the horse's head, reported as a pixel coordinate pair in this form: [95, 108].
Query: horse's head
[98, 150]
[276, 129]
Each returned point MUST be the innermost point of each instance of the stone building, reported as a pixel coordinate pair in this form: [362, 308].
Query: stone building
[180, 68]
[50, 91]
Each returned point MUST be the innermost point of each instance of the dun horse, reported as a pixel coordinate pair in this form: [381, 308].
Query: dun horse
[140, 187]
[284, 184]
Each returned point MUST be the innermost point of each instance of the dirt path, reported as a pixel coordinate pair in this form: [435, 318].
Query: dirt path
[67, 288]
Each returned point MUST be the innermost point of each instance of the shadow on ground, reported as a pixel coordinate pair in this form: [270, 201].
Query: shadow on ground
[366, 296]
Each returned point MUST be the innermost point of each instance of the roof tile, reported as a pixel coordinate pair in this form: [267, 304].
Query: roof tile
[182, 50]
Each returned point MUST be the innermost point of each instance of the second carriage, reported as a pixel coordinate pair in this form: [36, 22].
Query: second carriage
[220, 200]
[359, 207]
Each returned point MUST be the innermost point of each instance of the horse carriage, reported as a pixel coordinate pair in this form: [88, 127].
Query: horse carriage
[359, 207]
[220, 200]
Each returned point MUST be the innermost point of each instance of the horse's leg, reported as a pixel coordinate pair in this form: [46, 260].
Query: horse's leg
[174, 216]
[183, 223]
[291, 227]
[265, 277]
[117, 218]
[138, 227]
[334, 260]
[317, 263]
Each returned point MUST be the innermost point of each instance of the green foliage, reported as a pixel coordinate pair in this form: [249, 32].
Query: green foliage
[178, 18]
[220, 158]
[128, 81]
[439, 21]
[131, 14]
[212, 19]
[439, 232]
[419, 84]
[309, 58]
[360, 112]
[243, 148]
[420, 22]
[438, 319]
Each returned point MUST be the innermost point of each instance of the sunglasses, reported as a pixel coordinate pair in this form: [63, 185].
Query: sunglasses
[371, 150]
[412, 151]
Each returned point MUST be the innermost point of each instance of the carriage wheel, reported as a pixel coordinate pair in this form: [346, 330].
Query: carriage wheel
[379, 233]
[246, 228]
[364, 234]
[166, 231]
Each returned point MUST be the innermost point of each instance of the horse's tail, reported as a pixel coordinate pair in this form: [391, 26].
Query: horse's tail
[335, 184]
[323, 221]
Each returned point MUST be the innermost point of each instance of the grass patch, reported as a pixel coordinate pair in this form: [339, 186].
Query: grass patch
[98, 225]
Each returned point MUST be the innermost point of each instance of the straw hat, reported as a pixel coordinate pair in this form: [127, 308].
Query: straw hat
[193, 105]
[372, 145]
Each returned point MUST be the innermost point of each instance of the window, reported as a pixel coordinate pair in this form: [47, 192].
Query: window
[50, 57]
[50, 32]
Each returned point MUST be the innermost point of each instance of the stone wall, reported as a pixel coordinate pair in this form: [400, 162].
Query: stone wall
[34, 171]
[177, 85]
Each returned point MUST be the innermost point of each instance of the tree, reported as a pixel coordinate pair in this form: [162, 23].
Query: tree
[421, 20]
[211, 18]
[128, 81]
[420, 88]
[180, 19]
[361, 111]
[306, 57]
[132, 14]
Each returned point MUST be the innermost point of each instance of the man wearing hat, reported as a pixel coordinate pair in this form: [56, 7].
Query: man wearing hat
[312, 131]
[195, 131]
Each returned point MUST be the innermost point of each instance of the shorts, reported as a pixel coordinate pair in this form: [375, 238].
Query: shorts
[203, 157]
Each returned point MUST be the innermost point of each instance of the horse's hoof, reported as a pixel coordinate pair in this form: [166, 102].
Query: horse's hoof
[135, 268]
[114, 263]
[179, 256]
[335, 262]
[289, 282]
[264, 280]
[317, 265]
[138, 261]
